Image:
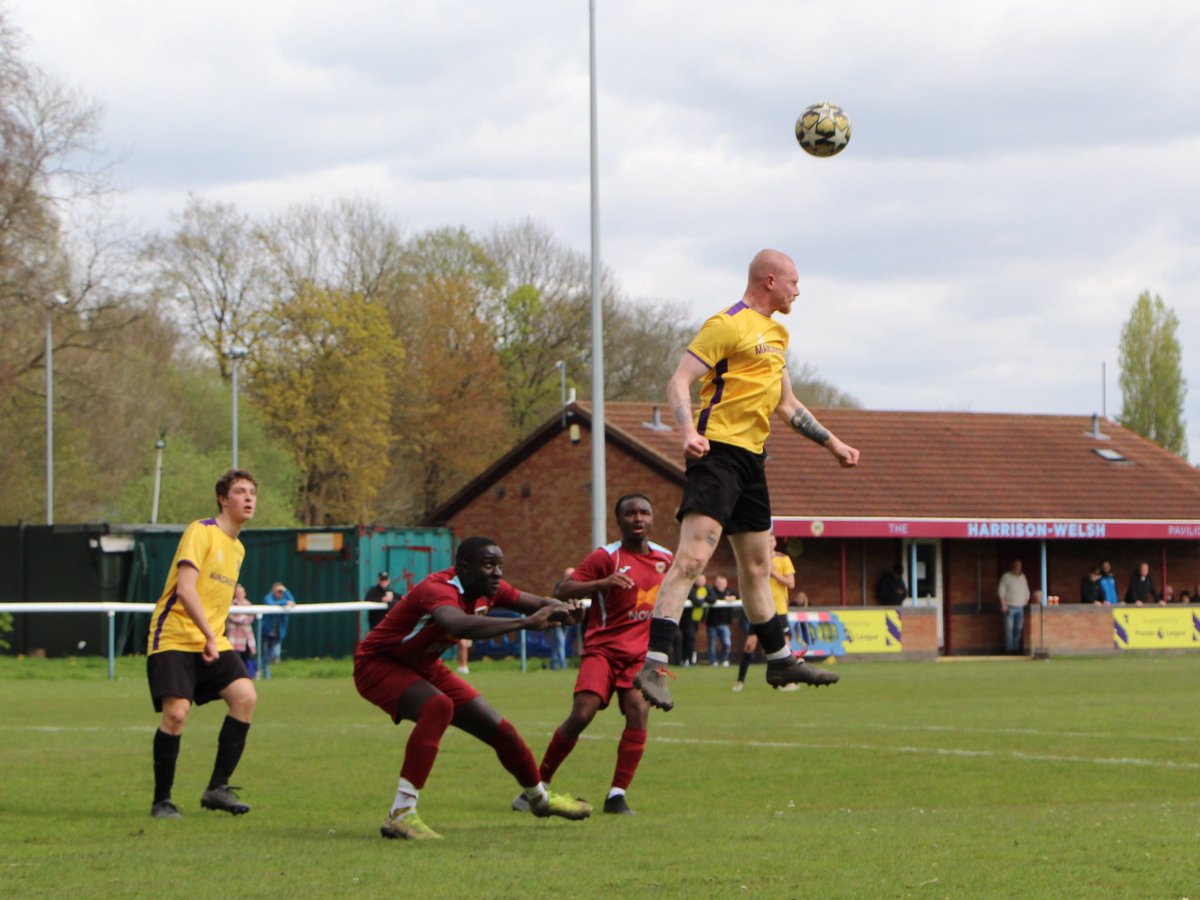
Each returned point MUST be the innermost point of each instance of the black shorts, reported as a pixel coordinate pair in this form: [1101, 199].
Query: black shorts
[728, 484]
[179, 673]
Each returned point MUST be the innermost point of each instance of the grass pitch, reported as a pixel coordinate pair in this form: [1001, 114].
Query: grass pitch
[1066, 778]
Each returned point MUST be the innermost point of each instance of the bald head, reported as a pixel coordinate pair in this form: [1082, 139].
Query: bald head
[768, 262]
[773, 282]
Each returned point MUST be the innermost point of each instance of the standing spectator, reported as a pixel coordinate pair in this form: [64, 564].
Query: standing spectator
[1090, 590]
[378, 593]
[239, 628]
[718, 621]
[890, 589]
[1141, 587]
[1014, 597]
[274, 627]
[558, 634]
[693, 614]
[1108, 584]
[186, 662]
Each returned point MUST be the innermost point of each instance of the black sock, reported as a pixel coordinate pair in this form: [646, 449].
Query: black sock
[166, 751]
[770, 635]
[744, 665]
[230, 744]
[662, 635]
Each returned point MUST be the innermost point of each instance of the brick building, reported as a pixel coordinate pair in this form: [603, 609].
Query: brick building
[953, 497]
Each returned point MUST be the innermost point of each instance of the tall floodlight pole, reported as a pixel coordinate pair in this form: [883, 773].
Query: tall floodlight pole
[561, 365]
[236, 355]
[55, 300]
[159, 445]
[599, 476]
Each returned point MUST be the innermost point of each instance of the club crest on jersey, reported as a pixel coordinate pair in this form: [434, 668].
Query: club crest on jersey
[660, 567]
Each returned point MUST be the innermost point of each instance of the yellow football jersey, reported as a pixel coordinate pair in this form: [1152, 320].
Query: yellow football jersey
[745, 352]
[781, 565]
[218, 559]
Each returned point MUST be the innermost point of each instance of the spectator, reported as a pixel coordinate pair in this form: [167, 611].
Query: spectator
[1141, 587]
[718, 621]
[693, 614]
[1108, 584]
[558, 634]
[274, 627]
[1185, 596]
[890, 589]
[1168, 595]
[1014, 597]
[800, 601]
[379, 593]
[239, 628]
[1090, 590]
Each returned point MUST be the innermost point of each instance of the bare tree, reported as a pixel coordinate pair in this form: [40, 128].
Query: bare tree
[216, 273]
[348, 245]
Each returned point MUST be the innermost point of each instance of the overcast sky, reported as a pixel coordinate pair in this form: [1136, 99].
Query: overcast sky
[1018, 173]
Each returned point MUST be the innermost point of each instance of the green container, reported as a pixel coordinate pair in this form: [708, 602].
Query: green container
[318, 565]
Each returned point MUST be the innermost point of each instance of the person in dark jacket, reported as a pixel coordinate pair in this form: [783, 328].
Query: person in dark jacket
[1141, 587]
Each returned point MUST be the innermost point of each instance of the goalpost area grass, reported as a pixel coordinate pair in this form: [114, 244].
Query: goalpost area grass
[1058, 778]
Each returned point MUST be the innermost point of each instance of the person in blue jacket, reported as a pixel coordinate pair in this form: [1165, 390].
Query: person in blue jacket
[274, 627]
[1108, 584]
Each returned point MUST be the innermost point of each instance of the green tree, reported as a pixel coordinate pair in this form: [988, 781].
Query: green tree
[321, 379]
[1152, 384]
[191, 409]
[450, 411]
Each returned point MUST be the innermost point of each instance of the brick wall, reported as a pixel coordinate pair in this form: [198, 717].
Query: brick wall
[540, 512]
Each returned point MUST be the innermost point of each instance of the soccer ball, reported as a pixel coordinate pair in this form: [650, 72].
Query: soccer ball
[823, 129]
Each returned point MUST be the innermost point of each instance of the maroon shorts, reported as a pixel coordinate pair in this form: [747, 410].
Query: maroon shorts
[383, 681]
[603, 675]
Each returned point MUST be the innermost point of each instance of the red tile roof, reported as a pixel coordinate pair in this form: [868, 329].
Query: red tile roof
[952, 465]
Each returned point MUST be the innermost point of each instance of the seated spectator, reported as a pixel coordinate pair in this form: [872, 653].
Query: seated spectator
[1185, 596]
[1168, 595]
[800, 600]
[1090, 590]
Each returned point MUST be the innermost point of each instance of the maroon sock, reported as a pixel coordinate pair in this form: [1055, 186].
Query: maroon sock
[560, 748]
[426, 738]
[629, 754]
[514, 754]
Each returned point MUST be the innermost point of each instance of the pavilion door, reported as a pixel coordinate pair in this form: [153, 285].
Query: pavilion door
[923, 574]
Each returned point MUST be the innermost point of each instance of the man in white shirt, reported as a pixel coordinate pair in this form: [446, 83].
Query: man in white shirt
[1014, 597]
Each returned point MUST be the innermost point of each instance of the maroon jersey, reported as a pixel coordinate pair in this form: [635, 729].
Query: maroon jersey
[411, 635]
[618, 621]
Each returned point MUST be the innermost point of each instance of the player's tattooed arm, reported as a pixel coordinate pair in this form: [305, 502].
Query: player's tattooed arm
[806, 423]
[682, 412]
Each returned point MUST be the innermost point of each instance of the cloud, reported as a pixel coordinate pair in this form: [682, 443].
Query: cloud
[1018, 172]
